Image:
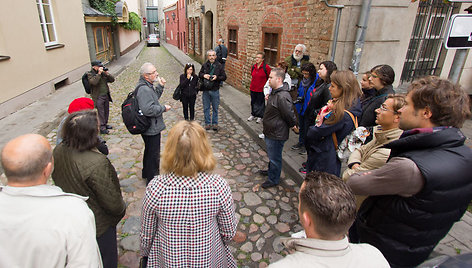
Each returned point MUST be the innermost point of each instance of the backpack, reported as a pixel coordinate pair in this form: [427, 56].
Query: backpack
[263, 67]
[86, 83]
[351, 142]
[135, 121]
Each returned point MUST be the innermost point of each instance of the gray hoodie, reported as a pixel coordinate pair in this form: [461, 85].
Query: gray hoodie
[148, 99]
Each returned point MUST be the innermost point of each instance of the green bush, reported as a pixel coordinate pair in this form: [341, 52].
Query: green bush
[134, 22]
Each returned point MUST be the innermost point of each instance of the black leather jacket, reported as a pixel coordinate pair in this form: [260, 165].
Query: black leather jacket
[279, 116]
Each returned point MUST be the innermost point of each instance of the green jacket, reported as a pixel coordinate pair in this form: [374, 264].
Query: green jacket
[293, 70]
[99, 84]
[91, 174]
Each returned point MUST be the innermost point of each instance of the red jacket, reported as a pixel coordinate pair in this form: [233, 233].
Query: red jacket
[259, 77]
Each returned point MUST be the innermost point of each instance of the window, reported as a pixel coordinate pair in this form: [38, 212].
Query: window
[271, 43]
[46, 19]
[233, 40]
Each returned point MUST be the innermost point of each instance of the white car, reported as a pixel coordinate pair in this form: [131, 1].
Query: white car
[153, 40]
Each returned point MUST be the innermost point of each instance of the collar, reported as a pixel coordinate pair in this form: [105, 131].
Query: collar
[415, 131]
[318, 247]
[42, 190]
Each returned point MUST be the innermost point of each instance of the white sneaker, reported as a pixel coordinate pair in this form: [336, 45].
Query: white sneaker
[250, 118]
[258, 120]
[261, 136]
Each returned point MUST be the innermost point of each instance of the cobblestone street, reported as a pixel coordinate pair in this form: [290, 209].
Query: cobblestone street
[264, 215]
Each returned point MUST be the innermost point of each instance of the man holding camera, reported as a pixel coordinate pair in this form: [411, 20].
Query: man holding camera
[211, 74]
[99, 77]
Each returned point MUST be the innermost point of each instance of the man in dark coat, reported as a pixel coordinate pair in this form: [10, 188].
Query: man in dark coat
[279, 117]
[425, 186]
[99, 77]
[211, 74]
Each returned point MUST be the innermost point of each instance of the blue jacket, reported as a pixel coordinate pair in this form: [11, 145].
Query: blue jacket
[319, 142]
[306, 96]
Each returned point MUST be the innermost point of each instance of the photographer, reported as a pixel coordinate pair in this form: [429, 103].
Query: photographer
[99, 77]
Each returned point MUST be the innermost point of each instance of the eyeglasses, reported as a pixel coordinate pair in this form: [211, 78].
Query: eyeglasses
[189, 64]
[384, 108]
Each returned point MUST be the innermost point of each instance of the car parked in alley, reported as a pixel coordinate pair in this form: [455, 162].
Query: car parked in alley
[153, 40]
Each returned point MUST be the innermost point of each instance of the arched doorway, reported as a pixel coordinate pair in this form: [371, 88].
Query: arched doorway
[208, 31]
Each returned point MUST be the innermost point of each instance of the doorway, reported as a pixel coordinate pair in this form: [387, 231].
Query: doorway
[103, 43]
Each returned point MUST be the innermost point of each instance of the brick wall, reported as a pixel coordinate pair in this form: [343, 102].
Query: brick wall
[308, 22]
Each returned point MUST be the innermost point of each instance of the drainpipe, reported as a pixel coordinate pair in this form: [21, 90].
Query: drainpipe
[360, 36]
[457, 65]
[336, 28]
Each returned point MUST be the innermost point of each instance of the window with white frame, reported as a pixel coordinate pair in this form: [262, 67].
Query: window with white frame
[46, 19]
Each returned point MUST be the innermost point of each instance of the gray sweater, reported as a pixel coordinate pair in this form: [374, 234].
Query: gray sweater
[148, 99]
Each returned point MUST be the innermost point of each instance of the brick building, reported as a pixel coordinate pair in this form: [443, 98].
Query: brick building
[172, 25]
[404, 34]
[274, 27]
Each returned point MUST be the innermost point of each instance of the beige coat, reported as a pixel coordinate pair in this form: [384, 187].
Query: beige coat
[371, 156]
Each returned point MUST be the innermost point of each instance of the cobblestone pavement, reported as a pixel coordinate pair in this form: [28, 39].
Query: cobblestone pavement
[264, 215]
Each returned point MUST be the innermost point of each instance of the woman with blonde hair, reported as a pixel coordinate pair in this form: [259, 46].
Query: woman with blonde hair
[333, 121]
[188, 216]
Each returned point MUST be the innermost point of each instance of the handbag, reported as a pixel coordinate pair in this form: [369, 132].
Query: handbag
[208, 85]
[177, 93]
[352, 141]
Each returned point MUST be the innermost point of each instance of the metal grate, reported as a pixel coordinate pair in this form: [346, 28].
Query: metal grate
[426, 40]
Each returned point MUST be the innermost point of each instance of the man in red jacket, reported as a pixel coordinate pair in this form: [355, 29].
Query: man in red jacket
[260, 73]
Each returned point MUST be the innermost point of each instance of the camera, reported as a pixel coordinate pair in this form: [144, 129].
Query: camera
[299, 100]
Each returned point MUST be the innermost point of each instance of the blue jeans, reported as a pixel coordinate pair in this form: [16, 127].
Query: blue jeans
[274, 152]
[212, 98]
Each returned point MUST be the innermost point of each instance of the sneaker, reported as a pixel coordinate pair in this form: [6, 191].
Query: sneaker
[215, 127]
[302, 151]
[104, 131]
[263, 172]
[207, 127]
[297, 146]
[258, 120]
[250, 118]
[268, 184]
[261, 136]
[109, 127]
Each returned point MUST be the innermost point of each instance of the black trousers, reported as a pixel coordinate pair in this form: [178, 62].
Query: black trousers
[108, 247]
[257, 104]
[102, 103]
[151, 158]
[188, 103]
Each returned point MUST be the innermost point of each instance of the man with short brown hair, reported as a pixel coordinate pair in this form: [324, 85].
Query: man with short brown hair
[326, 211]
[415, 198]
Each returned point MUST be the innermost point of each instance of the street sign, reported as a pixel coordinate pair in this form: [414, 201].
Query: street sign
[459, 32]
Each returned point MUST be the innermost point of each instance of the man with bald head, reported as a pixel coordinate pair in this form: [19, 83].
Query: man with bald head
[41, 226]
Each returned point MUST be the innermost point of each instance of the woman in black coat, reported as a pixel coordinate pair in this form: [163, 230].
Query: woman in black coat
[188, 84]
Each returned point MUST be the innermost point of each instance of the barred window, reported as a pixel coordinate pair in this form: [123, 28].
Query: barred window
[271, 41]
[233, 40]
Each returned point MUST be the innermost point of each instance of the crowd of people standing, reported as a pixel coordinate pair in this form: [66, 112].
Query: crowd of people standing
[413, 162]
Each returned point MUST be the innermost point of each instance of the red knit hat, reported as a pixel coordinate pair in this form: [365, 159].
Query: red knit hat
[80, 104]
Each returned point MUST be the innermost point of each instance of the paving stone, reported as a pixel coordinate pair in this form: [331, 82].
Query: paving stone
[272, 219]
[288, 217]
[260, 243]
[271, 203]
[245, 212]
[273, 257]
[277, 245]
[258, 218]
[263, 264]
[265, 195]
[256, 256]
[131, 243]
[247, 247]
[128, 182]
[264, 228]
[132, 225]
[282, 227]
[269, 234]
[263, 210]
[241, 256]
[130, 259]
[237, 196]
[285, 206]
[254, 238]
[253, 228]
[252, 199]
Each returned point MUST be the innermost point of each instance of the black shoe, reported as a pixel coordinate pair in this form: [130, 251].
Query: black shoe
[215, 127]
[109, 127]
[104, 131]
[297, 146]
[264, 172]
[268, 184]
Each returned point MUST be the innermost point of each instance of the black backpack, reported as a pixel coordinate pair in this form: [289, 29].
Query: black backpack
[135, 121]
[86, 83]
[263, 67]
